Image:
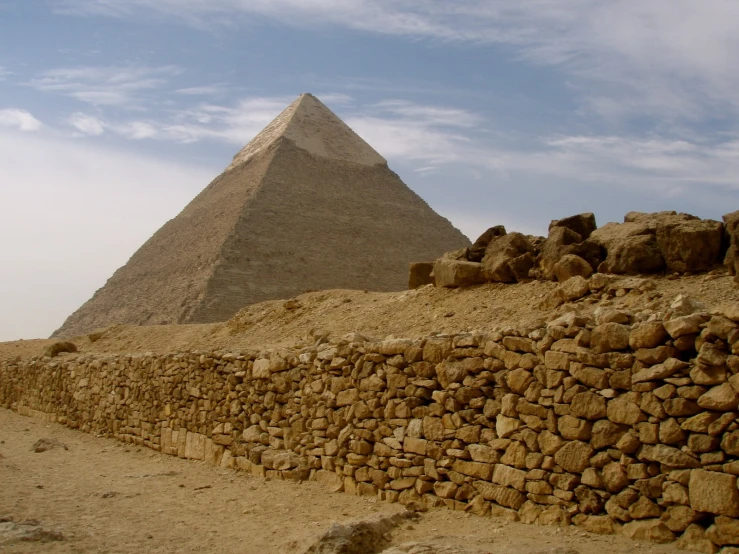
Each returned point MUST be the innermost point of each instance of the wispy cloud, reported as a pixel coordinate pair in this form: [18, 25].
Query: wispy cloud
[21, 120]
[87, 124]
[640, 52]
[106, 86]
[4, 73]
[204, 90]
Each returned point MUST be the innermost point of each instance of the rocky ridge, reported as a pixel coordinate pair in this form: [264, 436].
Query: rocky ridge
[645, 243]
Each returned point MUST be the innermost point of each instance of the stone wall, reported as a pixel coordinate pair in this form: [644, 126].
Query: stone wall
[623, 423]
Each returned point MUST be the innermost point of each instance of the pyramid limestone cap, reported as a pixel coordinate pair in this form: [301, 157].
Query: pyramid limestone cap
[314, 128]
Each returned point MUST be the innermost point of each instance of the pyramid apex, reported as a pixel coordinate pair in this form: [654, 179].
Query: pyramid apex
[313, 127]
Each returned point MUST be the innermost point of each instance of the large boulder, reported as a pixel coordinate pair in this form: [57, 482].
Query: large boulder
[456, 273]
[731, 242]
[419, 274]
[504, 256]
[631, 248]
[688, 243]
[477, 250]
[582, 224]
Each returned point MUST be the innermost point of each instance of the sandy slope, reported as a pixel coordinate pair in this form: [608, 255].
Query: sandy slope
[407, 314]
[105, 496]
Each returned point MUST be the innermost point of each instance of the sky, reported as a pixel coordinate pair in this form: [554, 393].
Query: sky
[114, 114]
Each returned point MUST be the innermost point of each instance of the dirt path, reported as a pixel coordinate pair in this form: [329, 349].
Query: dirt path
[104, 496]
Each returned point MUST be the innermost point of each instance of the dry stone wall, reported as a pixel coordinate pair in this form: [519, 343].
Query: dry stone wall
[622, 423]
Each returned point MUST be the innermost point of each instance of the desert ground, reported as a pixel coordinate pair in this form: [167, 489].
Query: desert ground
[302, 320]
[100, 495]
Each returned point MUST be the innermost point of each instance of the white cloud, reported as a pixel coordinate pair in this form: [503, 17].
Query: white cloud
[3, 73]
[87, 124]
[78, 213]
[107, 85]
[19, 119]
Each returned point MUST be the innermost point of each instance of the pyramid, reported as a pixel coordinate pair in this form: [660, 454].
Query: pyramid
[306, 205]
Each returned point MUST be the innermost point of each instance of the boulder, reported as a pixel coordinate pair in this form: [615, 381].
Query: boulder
[731, 242]
[420, 274]
[500, 252]
[477, 250]
[583, 224]
[631, 248]
[689, 244]
[455, 273]
[571, 265]
[560, 242]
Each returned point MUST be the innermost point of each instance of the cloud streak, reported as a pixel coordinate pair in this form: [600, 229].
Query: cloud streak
[106, 86]
[642, 51]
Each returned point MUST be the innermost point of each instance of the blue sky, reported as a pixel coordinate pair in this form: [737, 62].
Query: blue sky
[115, 113]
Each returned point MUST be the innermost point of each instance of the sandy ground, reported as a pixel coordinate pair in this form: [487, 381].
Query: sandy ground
[379, 315]
[100, 495]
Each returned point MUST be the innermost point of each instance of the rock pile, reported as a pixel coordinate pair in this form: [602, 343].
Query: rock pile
[644, 243]
[624, 422]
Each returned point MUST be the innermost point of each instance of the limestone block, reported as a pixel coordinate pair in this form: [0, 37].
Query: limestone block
[651, 530]
[695, 539]
[478, 470]
[195, 446]
[724, 531]
[574, 456]
[509, 477]
[713, 492]
[624, 409]
[455, 273]
[721, 398]
[588, 405]
[609, 337]
[505, 496]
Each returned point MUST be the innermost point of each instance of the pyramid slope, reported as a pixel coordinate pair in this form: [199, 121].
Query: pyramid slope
[167, 277]
[317, 223]
[306, 205]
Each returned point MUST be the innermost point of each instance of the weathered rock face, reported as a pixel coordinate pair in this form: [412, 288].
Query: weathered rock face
[304, 206]
[599, 422]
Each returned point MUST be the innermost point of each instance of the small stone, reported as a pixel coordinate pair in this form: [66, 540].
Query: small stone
[651, 530]
[624, 409]
[678, 518]
[647, 335]
[695, 539]
[724, 531]
[721, 398]
[574, 456]
[609, 337]
[588, 405]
